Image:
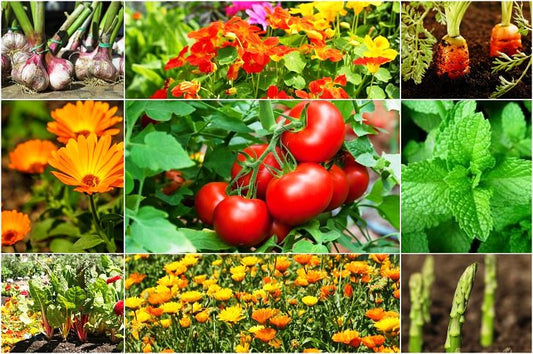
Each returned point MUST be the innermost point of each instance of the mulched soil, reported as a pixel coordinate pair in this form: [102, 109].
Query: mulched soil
[513, 303]
[39, 344]
[480, 83]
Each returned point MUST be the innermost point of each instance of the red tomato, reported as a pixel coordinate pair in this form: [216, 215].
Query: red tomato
[208, 198]
[279, 229]
[300, 195]
[340, 187]
[242, 222]
[357, 178]
[322, 136]
[263, 174]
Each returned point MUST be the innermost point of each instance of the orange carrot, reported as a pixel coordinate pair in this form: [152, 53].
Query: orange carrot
[505, 37]
[452, 58]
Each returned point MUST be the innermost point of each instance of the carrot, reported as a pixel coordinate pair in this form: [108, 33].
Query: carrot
[452, 58]
[505, 37]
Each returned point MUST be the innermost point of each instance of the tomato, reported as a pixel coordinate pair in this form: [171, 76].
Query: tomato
[357, 178]
[300, 195]
[279, 229]
[242, 222]
[340, 187]
[263, 174]
[208, 198]
[322, 136]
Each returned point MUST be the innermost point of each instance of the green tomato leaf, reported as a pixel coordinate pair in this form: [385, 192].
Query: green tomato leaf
[205, 240]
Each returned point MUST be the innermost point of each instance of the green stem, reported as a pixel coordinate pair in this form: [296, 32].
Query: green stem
[107, 21]
[428, 276]
[266, 115]
[416, 317]
[459, 305]
[507, 12]
[118, 26]
[139, 195]
[487, 308]
[22, 18]
[110, 246]
[38, 19]
[455, 11]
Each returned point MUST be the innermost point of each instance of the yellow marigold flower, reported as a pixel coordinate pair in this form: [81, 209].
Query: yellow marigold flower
[199, 279]
[202, 317]
[309, 300]
[249, 261]
[133, 302]
[280, 321]
[15, 226]
[265, 334]
[185, 321]
[231, 314]
[31, 156]
[142, 316]
[84, 118]
[262, 315]
[92, 165]
[389, 324]
[168, 280]
[223, 294]
[197, 307]
[175, 268]
[216, 262]
[191, 296]
[171, 307]
[166, 323]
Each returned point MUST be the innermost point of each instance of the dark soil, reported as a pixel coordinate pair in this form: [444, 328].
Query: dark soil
[39, 344]
[513, 303]
[480, 83]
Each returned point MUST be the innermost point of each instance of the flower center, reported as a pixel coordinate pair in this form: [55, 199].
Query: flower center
[85, 133]
[9, 236]
[90, 180]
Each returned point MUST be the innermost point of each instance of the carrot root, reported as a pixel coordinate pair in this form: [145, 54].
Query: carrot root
[452, 58]
[505, 39]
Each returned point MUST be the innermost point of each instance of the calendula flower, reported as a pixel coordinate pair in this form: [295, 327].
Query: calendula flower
[191, 296]
[349, 337]
[185, 321]
[223, 294]
[358, 267]
[312, 350]
[202, 316]
[309, 300]
[15, 226]
[92, 165]
[133, 302]
[375, 314]
[171, 307]
[175, 268]
[249, 261]
[231, 314]
[84, 118]
[280, 321]
[134, 278]
[373, 341]
[303, 259]
[265, 334]
[166, 322]
[389, 324]
[160, 295]
[156, 312]
[31, 156]
[142, 315]
[262, 315]
[348, 290]
[379, 258]
[282, 264]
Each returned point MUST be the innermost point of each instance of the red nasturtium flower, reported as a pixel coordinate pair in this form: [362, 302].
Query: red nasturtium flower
[273, 92]
[187, 89]
[162, 92]
[325, 88]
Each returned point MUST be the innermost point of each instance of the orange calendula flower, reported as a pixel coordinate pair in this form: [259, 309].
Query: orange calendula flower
[202, 317]
[185, 321]
[15, 226]
[262, 315]
[379, 258]
[280, 321]
[349, 337]
[312, 350]
[375, 314]
[327, 291]
[388, 324]
[282, 264]
[134, 278]
[166, 322]
[303, 259]
[31, 156]
[373, 341]
[92, 165]
[231, 314]
[348, 290]
[358, 267]
[187, 89]
[156, 312]
[265, 334]
[159, 296]
[84, 118]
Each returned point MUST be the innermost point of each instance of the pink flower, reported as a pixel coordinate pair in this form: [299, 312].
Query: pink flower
[240, 6]
[258, 14]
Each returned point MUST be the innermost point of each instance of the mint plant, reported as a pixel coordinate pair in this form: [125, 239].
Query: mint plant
[467, 186]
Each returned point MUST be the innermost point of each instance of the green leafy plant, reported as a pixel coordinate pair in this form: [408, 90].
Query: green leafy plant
[467, 187]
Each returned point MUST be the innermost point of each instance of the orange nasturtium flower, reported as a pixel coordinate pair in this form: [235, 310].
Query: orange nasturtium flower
[187, 89]
[84, 118]
[325, 88]
[92, 165]
[31, 156]
[377, 53]
[15, 226]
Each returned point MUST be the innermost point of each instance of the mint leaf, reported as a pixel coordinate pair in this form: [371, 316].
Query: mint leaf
[415, 242]
[513, 122]
[471, 209]
[427, 114]
[460, 111]
[423, 190]
[448, 238]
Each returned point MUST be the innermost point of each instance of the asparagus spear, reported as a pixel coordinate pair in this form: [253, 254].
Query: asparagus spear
[459, 304]
[416, 288]
[428, 276]
[487, 308]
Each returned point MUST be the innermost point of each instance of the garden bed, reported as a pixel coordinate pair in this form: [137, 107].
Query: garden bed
[39, 344]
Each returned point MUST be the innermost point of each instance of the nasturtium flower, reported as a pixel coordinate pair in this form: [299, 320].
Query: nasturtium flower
[15, 226]
[388, 324]
[306, 9]
[83, 118]
[187, 89]
[274, 92]
[310, 300]
[191, 296]
[329, 10]
[232, 314]
[377, 53]
[358, 6]
[92, 165]
[31, 156]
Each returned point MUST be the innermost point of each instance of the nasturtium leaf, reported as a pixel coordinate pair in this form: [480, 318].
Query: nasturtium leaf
[382, 75]
[163, 110]
[86, 242]
[375, 92]
[227, 55]
[295, 62]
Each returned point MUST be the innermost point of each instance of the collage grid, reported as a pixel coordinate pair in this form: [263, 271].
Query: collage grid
[262, 211]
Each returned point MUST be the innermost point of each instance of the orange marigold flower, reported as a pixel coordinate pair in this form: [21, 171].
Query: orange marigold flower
[265, 334]
[92, 165]
[187, 89]
[373, 341]
[15, 226]
[358, 267]
[349, 337]
[280, 321]
[134, 278]
[157, 312]
[262, 315]
[375, 314]
[303, 259]
[84, 118]
[348, 290]
[327, 291]
[379, 258]
[31, 156]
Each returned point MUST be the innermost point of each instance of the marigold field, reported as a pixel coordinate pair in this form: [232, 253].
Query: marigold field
[267, 303]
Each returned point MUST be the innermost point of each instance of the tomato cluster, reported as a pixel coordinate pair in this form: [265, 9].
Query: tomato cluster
[285, 200]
